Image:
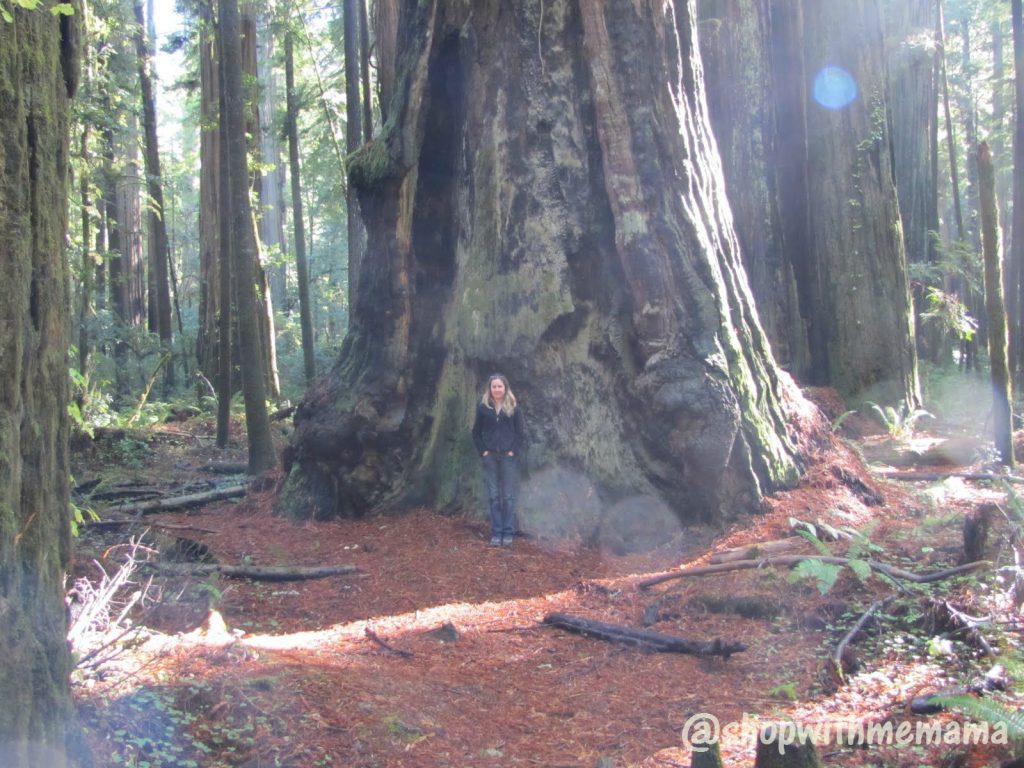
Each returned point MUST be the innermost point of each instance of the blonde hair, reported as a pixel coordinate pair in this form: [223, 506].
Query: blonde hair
[508, 405]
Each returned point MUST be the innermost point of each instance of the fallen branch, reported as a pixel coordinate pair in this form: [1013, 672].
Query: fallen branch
[135, 521]
[761, 549]
[260, 573]
[387, 646]
[181, 502]
[642, 638]
[840, 652]
[788, 560]
[149, 386]
[934, 476]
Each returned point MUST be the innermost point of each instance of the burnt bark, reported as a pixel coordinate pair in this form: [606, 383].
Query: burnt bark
[553, 210]
[38, 73]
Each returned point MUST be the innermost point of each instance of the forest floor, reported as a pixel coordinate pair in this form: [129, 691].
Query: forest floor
[433, 652]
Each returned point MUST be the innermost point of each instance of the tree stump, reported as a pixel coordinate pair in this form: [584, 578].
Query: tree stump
[771, 755]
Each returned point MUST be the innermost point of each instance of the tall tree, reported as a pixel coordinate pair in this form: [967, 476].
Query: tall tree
[301, 265]
[1017, 242]
[271, 187]
[735, 43]
[364, 70]
[552, 209]
[38, 73]
[858, 289]
[244, 248]
[156, 220]
[1002, 402]
[910, 53]
[353, 138]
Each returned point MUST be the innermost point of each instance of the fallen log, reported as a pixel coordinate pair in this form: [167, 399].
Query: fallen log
[761, 549]
[889, 570]
[935, 476]
[259, 573]
[180, 502]
[641, 638]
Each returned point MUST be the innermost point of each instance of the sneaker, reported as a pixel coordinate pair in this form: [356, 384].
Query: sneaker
[506, 540]
[496, 541]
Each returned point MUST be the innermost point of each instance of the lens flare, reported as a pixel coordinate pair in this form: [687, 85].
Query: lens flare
[834, 87]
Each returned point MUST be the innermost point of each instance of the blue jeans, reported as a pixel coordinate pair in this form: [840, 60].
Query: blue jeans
[501, 479]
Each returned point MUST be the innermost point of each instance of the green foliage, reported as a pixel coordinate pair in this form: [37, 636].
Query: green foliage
[946, 311]
[823, 574]
[899, 421]
[986, 711]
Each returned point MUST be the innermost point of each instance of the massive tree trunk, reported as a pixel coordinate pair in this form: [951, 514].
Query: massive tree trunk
[272, 184]
[545, 200]
[859, 294]
[38, 72]
[735, 44]
[353, 138]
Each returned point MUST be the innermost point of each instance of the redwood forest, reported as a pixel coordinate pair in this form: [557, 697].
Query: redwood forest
[597, 383]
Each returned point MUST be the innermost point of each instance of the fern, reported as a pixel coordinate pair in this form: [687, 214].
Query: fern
[986, 711]
[825, 574]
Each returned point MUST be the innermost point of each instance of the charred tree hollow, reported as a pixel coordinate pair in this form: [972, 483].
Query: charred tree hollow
[546, 201]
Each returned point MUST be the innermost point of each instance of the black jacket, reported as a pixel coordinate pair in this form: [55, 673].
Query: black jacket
[497, 431]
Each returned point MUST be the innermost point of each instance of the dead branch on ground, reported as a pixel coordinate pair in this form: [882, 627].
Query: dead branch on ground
[790, 560]
[642, 638]
[259, 573]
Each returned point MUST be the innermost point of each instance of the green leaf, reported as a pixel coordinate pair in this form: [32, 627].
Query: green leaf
[825, 574]
[63, 9]
[861, 569]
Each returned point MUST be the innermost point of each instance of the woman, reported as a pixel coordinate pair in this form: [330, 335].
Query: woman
[498, 437]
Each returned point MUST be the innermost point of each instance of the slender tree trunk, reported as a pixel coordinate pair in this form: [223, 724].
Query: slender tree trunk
[364, 70]
[254, 132]
[1002, 401]
[226, 316]
[385, 28]
[85, 306]
[911, 83]
[969, 114]
[353, 138]
[546, 200]
[1017, 242]
[272, 186]
[157, 224]
[261, 449]
[961, 232]
[305, 310]
[38, 73]
[207, 346]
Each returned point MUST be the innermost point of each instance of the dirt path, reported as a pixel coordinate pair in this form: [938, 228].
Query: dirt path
[458, 671]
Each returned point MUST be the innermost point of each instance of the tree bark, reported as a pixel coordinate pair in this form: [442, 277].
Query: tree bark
[156, 221]
[385, 34]
[353, 138]
[207, 346]
[244, 250]
[364, 70]
[911, 82]
[227, 317]
[301, 265]
[1017, 241]
[736, 49]
[1002, 402]
[556, 213]
[859, 298]
[39, 61]
[272, 186]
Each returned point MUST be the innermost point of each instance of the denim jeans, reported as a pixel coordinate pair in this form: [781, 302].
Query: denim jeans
[501, 479]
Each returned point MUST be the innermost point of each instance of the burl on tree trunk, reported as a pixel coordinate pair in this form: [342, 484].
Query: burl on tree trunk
[546, 201]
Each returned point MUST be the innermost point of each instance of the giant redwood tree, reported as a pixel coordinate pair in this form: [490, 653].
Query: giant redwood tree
[545, 200]
[38, 73]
